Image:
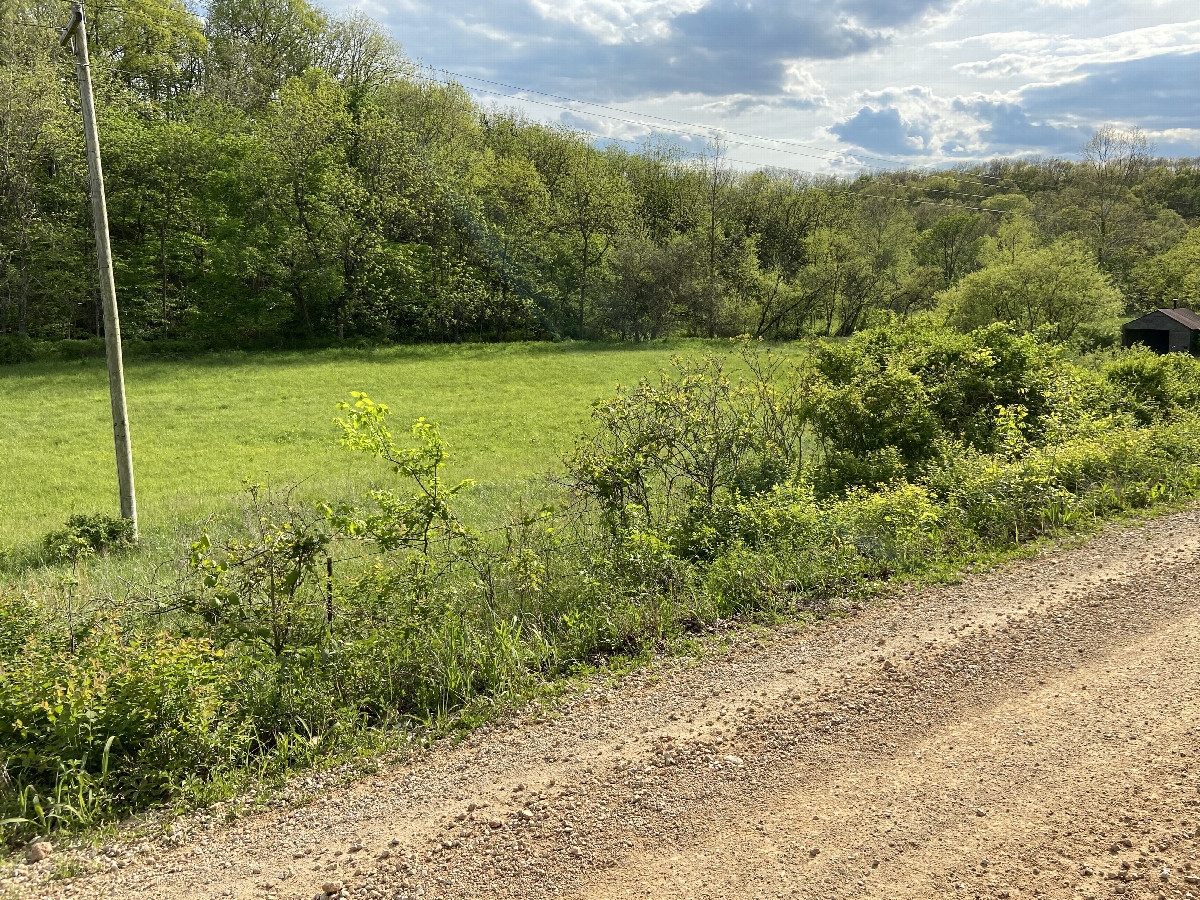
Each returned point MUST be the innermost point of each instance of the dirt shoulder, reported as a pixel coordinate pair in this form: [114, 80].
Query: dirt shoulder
[1031, 732]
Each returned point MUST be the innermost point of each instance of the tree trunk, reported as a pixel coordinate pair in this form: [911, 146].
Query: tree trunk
[23, 298]
[587, 248]
[162, 255]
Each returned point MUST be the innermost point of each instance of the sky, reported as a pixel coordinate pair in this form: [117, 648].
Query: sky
[826, 86]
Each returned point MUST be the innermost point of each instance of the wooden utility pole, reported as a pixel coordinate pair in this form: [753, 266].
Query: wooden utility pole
[76, 33]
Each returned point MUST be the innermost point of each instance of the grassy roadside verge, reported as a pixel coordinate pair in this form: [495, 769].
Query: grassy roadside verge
[693, 501]
[378, 752]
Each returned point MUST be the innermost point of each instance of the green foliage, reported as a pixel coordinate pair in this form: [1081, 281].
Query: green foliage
[663, 455]
[751, 486]
[1057, 288]
[1172, 277]
[92, 731]
[414, 523]
[282, 176]
[16, 348]
[258, 592]
[88, 534]
[1151, 386]
[892, 400]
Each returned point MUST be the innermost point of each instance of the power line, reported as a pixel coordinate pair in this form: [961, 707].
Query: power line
[944, 191]
[786, 145]
[21, 24]
[785, 141]
[852, 195]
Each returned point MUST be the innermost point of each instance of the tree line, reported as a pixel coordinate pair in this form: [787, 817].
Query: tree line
[279, 174]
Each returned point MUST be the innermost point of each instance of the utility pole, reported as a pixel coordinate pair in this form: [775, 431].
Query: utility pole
[76, 33]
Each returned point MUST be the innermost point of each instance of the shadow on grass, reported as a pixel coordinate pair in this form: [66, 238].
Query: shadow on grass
[140, 355]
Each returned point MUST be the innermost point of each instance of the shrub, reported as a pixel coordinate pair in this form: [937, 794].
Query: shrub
[1150, 386]
[94, 533]
[662, 455]
[260, 593]
[873, 417]
[109, 726]
[16, 348]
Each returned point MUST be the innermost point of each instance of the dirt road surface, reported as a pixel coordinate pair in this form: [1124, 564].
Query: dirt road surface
[1032, 732]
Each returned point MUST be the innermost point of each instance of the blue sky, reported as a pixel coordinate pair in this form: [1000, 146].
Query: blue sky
[858, 83]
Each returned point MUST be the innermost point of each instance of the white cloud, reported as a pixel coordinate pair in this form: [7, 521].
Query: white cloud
[800, 84]
[617, 21]
[1047, 57]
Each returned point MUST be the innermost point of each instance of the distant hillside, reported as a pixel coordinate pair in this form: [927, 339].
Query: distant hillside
[277, 174]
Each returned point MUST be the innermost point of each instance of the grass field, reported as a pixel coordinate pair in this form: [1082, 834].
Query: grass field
[201, 425]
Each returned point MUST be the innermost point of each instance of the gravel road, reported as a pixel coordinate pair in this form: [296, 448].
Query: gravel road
[1031, 732]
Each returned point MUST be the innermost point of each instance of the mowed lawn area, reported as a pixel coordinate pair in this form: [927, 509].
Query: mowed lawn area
[201, 425]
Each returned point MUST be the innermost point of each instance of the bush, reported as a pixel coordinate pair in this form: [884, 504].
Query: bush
[663, 455]
[1150, 386]
[891, 399]
[109, 725]
[16, 348]
[94, 533]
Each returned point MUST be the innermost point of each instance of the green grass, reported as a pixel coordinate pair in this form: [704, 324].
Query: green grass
[200, 426]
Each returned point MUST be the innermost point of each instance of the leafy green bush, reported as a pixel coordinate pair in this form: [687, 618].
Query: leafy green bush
[259, 592]
[890, 400]
[16, 348]
[94, 533]
[663, 455]
[94, 730]
[1151, 386]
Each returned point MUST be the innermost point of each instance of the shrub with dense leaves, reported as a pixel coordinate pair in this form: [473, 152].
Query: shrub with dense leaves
[1151, 386]
[97, 727]
[87, 534]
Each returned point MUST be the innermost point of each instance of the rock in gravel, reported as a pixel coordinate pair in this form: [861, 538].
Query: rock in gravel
[733, 760]
[39, 850]
[331, 887]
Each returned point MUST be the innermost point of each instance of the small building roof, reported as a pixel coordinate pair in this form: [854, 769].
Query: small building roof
[1184, 317]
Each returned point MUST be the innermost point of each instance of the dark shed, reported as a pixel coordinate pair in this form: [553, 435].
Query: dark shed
[1165, 331]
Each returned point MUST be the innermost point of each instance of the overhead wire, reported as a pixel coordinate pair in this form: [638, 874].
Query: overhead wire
[909, 200]
[699, 131]
[783, 145]
[831, 152]
[827, 154]
[945, 191]
[852, 195]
